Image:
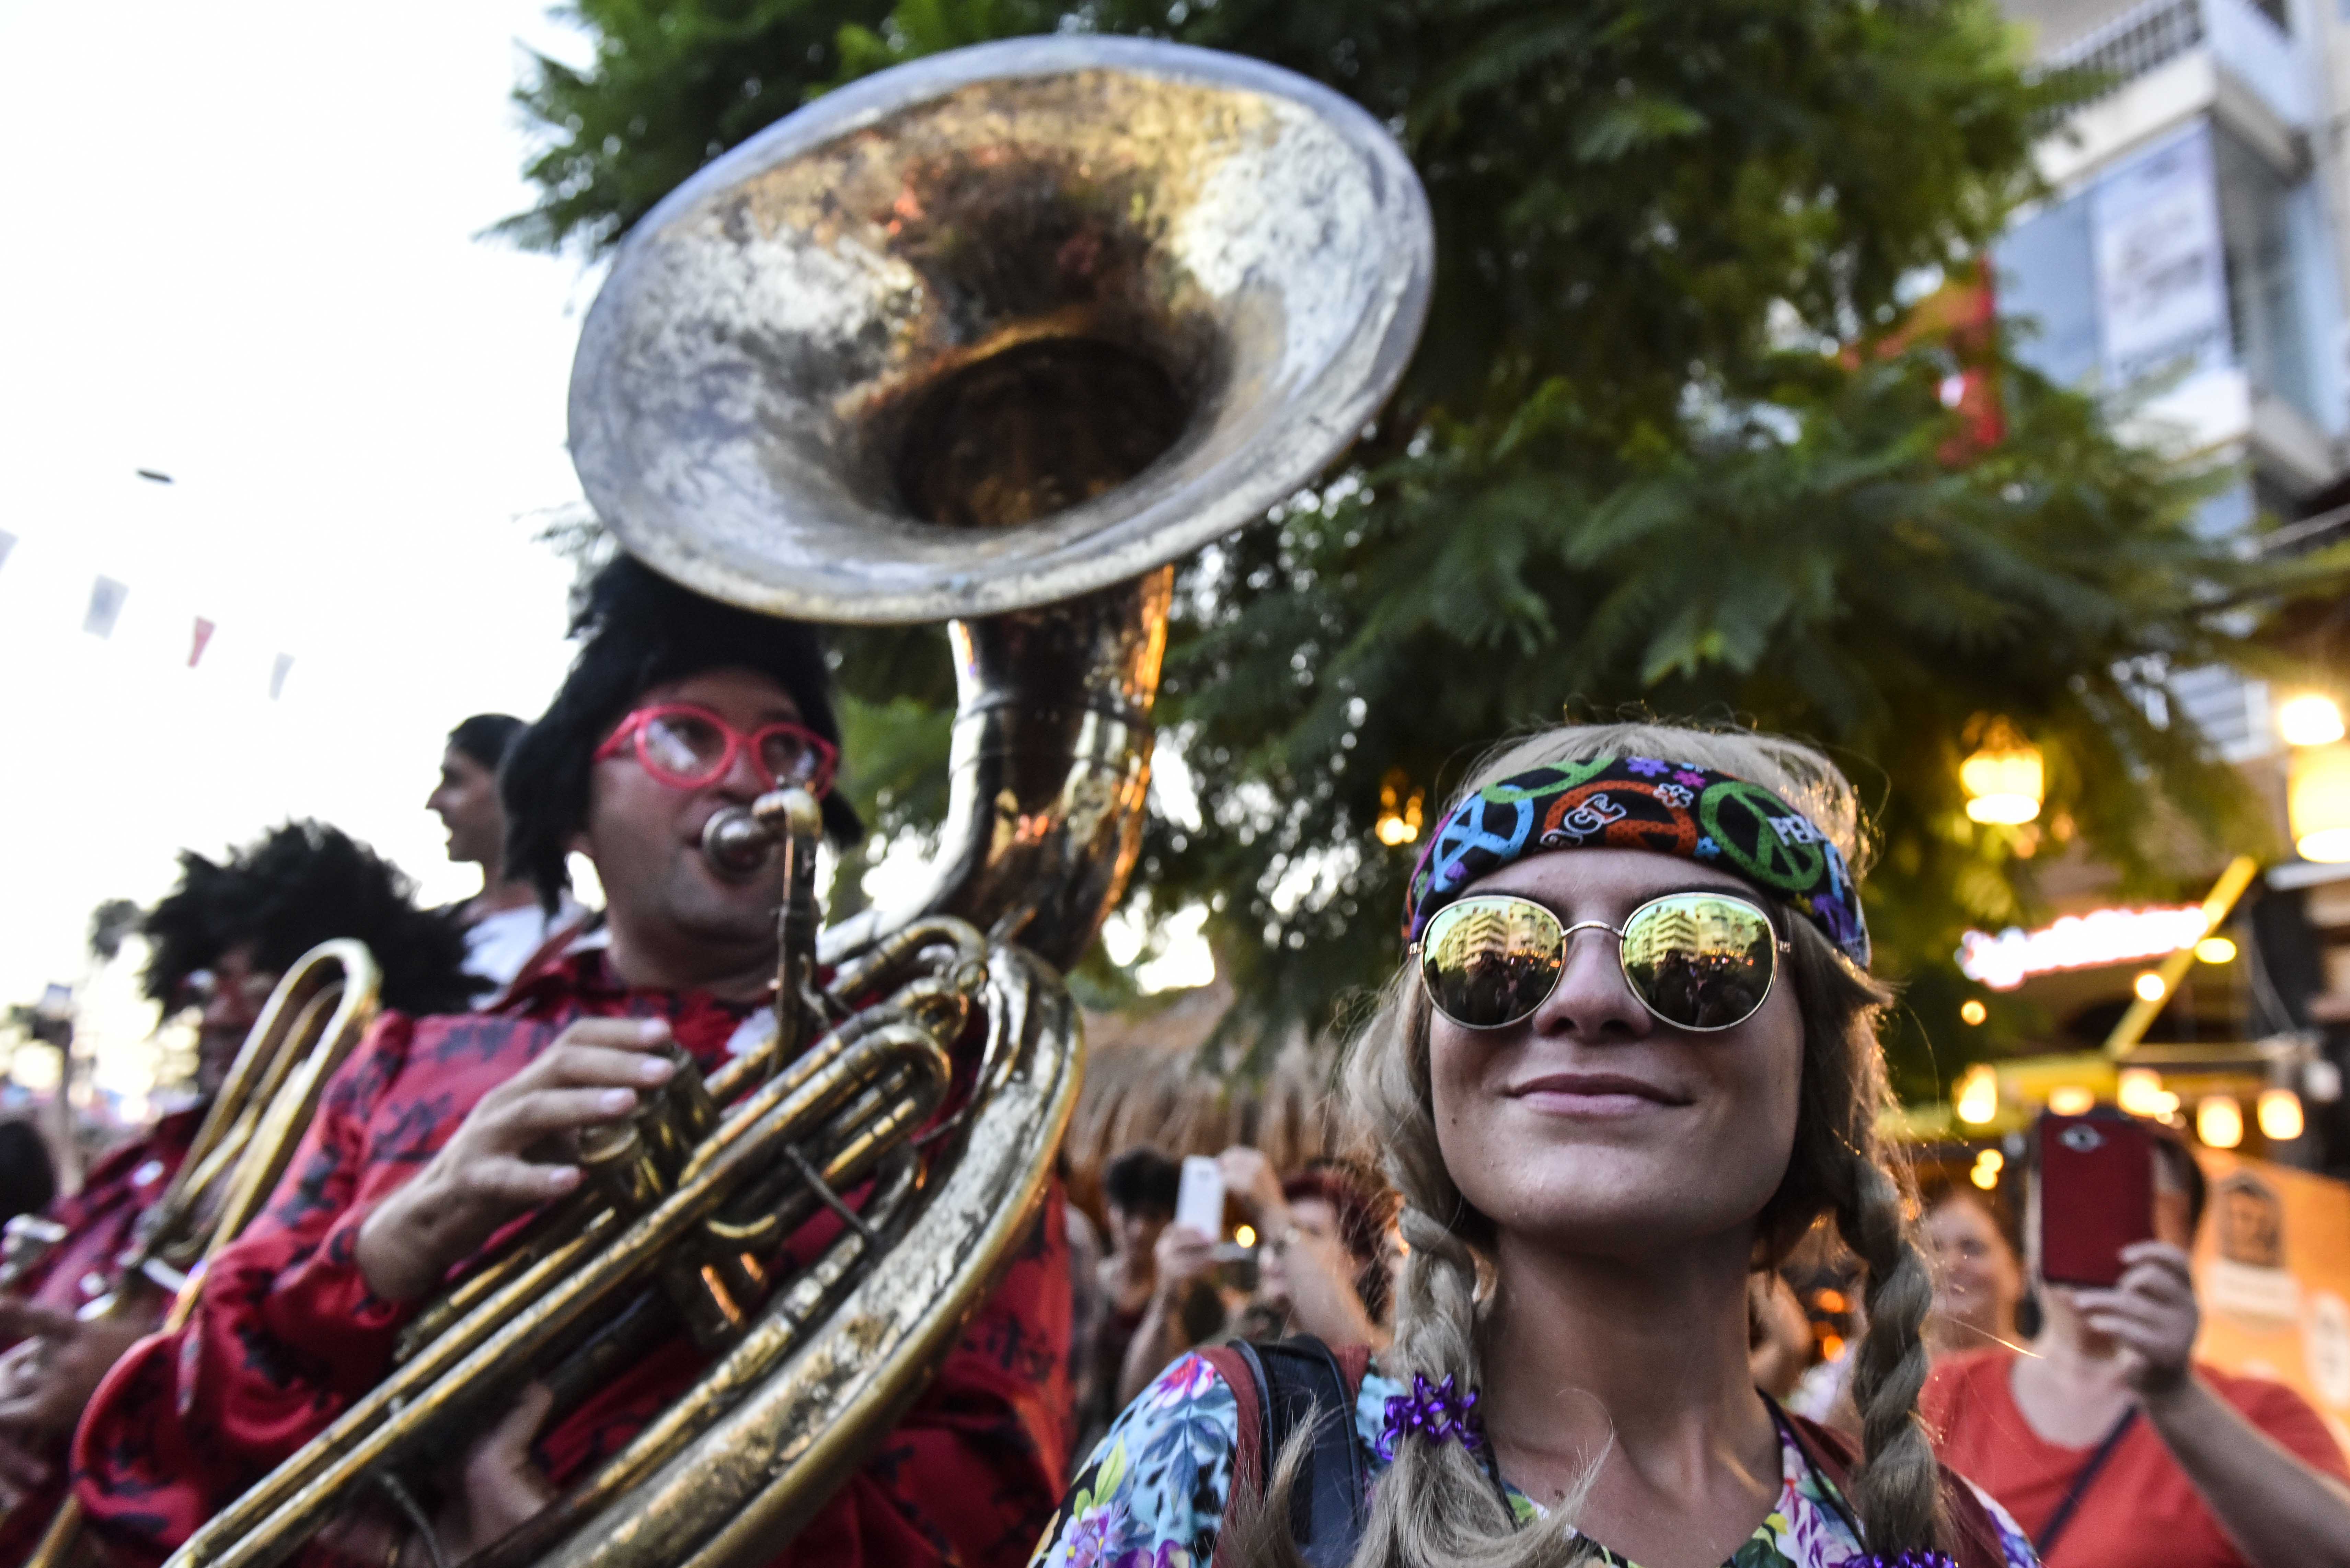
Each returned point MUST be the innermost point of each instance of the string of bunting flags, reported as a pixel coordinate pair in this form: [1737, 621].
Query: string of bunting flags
[108, 596]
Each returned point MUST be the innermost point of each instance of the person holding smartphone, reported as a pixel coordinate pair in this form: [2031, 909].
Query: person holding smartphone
[2105, 1439]
[1321, 1269]
[1629, 1059]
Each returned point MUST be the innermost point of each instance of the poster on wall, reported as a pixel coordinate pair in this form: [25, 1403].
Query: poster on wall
[2162, 282]
[2273, 1272]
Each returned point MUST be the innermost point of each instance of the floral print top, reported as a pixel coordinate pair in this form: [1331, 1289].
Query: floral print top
[1152, 1495]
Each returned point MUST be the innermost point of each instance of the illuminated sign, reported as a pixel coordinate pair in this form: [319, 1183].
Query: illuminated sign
[2078, 941]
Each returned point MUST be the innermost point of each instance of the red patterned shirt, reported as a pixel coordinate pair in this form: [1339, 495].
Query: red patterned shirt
[98, 1221]
[287, 1334]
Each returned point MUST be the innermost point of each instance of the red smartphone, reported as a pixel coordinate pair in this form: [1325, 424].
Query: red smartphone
[2096, 1197]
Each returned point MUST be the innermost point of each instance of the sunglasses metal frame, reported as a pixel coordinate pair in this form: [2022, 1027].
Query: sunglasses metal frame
[629, 735]
[1779, 944]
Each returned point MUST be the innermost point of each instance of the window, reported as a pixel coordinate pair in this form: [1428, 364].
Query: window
[2263, 304]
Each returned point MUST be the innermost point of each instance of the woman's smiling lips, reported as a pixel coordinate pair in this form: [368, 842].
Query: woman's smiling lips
[1592, 1095]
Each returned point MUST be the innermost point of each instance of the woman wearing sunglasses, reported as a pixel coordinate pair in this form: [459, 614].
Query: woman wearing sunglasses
[1629, 1060]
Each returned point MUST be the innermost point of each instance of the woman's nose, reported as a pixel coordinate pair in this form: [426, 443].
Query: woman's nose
[1591, 1001]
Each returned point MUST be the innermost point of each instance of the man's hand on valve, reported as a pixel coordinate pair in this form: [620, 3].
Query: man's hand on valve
[512, 1153]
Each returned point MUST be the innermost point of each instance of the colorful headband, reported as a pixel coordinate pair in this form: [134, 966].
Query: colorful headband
[1433, 1411]
[1642, 803]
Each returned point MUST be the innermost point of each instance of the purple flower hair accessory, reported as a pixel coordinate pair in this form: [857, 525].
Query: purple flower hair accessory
[1904, 1560]
[1437, 1412]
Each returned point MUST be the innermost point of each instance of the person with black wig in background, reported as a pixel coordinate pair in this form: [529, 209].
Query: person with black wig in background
[217, 944]
[441, 1131]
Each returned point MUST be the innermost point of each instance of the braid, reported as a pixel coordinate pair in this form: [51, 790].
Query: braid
[1899, 1490]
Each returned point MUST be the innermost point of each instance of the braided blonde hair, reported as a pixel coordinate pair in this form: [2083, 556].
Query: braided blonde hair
[1435, 1506]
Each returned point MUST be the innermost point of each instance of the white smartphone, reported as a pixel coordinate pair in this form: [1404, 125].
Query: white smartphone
[1200, 1202]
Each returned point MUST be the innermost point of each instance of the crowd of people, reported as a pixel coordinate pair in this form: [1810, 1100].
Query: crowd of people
[1620, 1100]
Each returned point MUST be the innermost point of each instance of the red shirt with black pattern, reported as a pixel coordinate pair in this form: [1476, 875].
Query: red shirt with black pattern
[287, 1335]
[100, 1220]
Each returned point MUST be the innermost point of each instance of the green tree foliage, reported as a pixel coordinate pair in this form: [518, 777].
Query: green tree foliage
[1659, 449]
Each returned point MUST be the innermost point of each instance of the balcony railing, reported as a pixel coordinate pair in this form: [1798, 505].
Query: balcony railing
[2248, 37]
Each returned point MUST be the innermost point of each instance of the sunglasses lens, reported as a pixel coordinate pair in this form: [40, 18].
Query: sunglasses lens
[1699, 961]
[682, 748]
[1491, 962]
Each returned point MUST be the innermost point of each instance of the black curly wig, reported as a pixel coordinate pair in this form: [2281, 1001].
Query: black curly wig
[641, 630]
[295, 887]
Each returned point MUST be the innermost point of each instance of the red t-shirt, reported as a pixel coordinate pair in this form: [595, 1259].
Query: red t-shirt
[2140, 1509]
[287, 1334]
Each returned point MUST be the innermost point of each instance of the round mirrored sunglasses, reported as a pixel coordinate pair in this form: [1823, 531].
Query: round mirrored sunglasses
[1699, 961]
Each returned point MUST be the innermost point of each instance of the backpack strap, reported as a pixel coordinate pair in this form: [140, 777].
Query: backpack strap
[1276, 1388]
[1304, 1382]
[1975, 1538]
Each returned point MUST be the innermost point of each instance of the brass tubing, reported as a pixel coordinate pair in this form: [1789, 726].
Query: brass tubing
[289, 1110]
[237, 1097]
[867, 969]
[255, 1121]
[792, 1080]
[562, 1220]
[556, 1227]
[736, 1494]
[220, 1534]
[778, 1332]
[272, 1520]
[967, 973]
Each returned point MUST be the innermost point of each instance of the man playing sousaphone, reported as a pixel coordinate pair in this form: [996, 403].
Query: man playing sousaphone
[441, 1131]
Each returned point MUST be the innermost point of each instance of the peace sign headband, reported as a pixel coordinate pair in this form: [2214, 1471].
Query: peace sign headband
[1643, 802]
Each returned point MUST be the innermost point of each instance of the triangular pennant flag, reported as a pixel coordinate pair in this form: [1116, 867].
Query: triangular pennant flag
[278, 675]
[203, 636]
[7, 543]
[106, 597]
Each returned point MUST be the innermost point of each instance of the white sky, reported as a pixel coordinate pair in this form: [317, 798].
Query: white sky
[239, 249]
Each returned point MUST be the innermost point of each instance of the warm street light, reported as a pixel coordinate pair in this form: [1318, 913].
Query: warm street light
[1978, 1094]
[2140, 1092]
[1399, 809]
[2005, 778]
[2280, 1115]
[2311, 718]
[2072, 1100]
[1972, 1011]
[2149, 987]
[2220, 1121]
[1988, 1164]
[2317, 801]
[2216, 949]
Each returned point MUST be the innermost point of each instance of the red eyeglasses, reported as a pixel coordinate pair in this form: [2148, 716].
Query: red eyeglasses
[689, 747]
